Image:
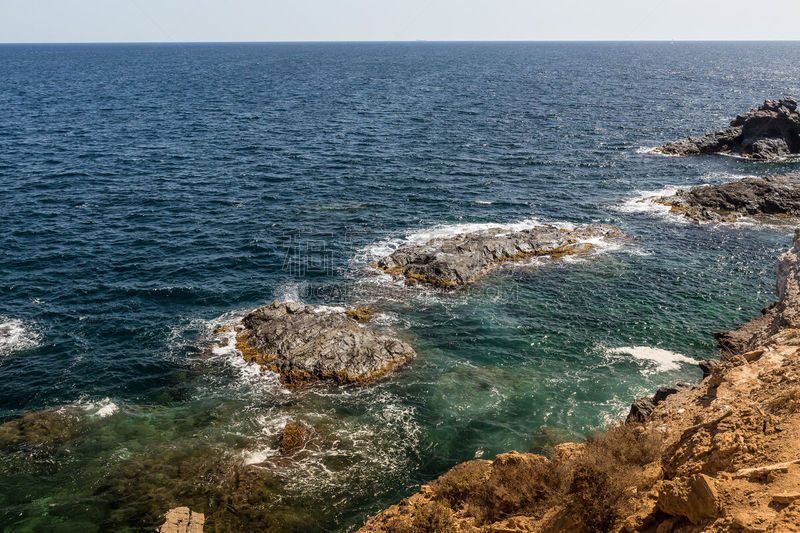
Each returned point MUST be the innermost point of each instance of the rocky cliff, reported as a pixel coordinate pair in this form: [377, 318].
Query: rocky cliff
[723, 455]
[771, 131]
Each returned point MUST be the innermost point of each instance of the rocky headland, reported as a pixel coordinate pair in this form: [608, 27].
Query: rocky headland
[769, 132]
[723, 455]
[306, 343]
[772, 196]
[458, 260]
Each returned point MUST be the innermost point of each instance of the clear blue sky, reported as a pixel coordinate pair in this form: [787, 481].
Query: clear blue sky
[399, 20]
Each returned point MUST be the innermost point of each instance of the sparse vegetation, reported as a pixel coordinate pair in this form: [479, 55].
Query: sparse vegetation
[593, 484]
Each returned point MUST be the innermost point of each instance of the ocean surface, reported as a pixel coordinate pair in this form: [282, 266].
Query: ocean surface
[150, 193]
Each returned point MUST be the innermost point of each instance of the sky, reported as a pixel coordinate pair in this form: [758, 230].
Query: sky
[34, 21]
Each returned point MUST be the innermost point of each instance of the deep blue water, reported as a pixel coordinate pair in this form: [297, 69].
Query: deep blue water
[151, 192]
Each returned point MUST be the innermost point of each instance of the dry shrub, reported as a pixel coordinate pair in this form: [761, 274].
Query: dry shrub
[433, 517]
[596, 484]
[460, 482]
[593, 484]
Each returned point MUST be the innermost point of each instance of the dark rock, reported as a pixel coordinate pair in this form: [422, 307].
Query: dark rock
[771, 131]
[708, 366]
[754, 197]
[663, 392]
[461, 259]
[642, 408]
[305, 343]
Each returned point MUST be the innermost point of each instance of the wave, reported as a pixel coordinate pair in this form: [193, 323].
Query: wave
[16, 335]
[100, 408]
[654, 150]
[653, 360]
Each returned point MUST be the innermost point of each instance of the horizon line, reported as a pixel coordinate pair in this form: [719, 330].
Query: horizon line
[465, 41]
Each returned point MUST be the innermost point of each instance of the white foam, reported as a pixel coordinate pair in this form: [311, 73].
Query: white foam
[643, 202]
[483, 202]
[328, 309]
[99, 409]
[290, 292]
[654, 150]
[15, 335]
[655, 359]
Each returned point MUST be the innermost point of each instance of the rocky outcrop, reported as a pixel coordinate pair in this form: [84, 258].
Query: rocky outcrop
[773, 196]
[306, 343]
[721, 456]
[460, 259]
[771, 131]
[182, 520]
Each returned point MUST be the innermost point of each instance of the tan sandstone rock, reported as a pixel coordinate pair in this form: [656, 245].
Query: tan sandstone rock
[182, 520]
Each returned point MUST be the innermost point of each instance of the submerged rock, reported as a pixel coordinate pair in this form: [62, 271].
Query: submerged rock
[182, 520]
[753, 197]
[294, 438]
[771, 131]
[461, 259]
[45, 428]
[306, 343]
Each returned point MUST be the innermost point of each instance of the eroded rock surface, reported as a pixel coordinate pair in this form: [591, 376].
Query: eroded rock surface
[461, 259]
[771, 131]
[772, 196]
[721, 456]
[306, 343]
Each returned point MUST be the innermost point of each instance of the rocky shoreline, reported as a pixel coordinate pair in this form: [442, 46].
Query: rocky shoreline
[769, 132]
[723, 455]
[459, 260]
[772, 196]
[305, 344]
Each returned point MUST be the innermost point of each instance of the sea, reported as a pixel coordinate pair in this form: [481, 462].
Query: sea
[150, 193]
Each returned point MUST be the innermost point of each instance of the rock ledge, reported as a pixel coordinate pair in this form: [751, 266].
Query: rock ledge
[773, 196]
[461, 259]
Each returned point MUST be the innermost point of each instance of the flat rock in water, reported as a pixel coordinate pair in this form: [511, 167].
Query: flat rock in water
[461, 259]
[306, 343]
[182, 520]
[773, 196]
[771, 131]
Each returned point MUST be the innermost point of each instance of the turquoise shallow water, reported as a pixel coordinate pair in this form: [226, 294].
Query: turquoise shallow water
[152, 192]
